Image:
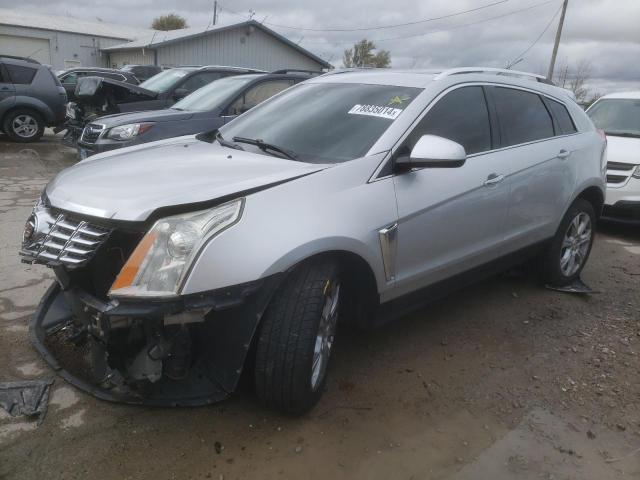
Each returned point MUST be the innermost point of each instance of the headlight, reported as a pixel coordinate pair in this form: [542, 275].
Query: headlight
[127, 132]
[636, 172]
[159, 263]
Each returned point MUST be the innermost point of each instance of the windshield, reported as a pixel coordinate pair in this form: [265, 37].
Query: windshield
[324, 122]
[213, 95]
[164, 81]
[617, 116]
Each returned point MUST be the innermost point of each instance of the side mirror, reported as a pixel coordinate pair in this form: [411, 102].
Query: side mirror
[432, 151]
[180, 93]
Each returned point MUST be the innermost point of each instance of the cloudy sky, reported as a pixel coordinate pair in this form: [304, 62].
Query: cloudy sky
[603, 32]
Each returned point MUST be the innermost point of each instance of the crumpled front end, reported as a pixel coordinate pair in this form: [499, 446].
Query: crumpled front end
[184, 350]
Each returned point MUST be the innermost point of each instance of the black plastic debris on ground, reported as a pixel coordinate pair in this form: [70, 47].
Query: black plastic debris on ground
[578, 286]
[28, 397]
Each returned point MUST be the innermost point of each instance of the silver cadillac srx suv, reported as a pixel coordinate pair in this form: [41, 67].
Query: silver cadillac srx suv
[183, 264]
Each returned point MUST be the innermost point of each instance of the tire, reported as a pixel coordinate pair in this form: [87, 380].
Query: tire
[564, 259]
[23, 125]
[296, 338]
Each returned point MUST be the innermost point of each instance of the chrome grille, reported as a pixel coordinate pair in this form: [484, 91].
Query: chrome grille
[618, 174]
[64, 240]
[92, 132]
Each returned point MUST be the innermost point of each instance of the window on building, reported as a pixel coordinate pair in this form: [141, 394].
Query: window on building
[523, 116]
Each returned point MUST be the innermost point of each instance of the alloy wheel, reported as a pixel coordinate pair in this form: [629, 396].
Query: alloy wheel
[325, 335]
[575, 245]
[24, 125]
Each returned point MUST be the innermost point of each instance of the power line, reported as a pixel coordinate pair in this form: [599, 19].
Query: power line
[464, 25]
[517, 58]
[381, 27]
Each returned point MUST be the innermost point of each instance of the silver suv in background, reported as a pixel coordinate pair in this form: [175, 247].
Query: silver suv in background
[348, 198]
[618, 115]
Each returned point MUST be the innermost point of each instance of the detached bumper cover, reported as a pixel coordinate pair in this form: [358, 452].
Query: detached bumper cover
[223, 340]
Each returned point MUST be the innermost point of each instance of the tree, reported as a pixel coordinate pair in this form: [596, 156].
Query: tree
[168, 22]
[576, 79]
[362, 55]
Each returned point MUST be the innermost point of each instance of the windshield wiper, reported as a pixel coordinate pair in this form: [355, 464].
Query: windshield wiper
[267, 146]
[226, 143]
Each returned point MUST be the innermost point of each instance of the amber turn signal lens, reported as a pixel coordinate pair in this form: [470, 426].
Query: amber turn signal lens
[128, 273]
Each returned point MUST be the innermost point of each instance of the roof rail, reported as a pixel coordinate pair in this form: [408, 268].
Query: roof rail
[15, 57]
[295, 70]
[495, 71]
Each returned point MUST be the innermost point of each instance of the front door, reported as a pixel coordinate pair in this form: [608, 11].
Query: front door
[451, 219]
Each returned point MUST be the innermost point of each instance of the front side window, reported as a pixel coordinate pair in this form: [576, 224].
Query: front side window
[258, 94]
[462, 116]
[70, 78]
[324, 122]
[21, 75]
[523, 116]
[617, 116]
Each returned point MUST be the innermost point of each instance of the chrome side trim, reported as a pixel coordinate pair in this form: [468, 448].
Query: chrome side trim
[388, 245]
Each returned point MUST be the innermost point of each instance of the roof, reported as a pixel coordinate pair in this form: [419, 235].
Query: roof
[623, 95]
[155, 39]
[22, 18]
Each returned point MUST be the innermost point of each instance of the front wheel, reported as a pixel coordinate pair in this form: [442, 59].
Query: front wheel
[296, 338]
[570, 248]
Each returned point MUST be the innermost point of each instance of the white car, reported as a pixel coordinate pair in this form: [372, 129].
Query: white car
[618, 115]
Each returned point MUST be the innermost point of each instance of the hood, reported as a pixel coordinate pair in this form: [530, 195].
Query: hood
[623, 149]
[130, 184]
[169, 115]
[90, 88]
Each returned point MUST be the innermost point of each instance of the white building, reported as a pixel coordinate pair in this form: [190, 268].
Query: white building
[66, 42]
[62, 42]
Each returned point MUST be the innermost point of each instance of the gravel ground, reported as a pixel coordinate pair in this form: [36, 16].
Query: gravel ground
[503, 380]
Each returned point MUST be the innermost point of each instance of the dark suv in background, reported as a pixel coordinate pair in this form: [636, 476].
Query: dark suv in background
[31, 98]
[142, 72]
[69, 78]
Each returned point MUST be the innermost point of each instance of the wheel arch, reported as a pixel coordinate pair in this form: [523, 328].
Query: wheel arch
[28, 103]
[595, 196]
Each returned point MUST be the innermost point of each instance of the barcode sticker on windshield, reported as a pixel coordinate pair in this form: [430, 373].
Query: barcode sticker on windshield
[376, 111]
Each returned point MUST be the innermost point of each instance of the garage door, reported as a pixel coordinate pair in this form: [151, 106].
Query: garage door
[36, 48]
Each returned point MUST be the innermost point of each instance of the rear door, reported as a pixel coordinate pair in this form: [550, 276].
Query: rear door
[451, 219]
[7, 90]
[539, 164]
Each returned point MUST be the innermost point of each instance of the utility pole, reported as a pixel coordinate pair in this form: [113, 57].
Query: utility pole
[215, 12]
[557, 42]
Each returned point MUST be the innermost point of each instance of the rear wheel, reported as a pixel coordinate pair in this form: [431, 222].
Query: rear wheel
[296, 338]
[23, 125]
[568, 253]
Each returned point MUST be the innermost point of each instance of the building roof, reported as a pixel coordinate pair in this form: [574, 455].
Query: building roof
[155, 39]
[21, 18]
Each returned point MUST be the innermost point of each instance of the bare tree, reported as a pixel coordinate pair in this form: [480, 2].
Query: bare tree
[575, 78]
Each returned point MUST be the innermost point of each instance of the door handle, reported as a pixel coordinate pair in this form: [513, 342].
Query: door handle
[562, 154]
[493, 179]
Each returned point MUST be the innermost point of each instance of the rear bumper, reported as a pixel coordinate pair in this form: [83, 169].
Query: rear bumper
[80, 336]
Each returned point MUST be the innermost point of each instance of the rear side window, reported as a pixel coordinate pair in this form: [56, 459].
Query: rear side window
[21, 75]
[523, 116]
[565, 123]
[461, 116]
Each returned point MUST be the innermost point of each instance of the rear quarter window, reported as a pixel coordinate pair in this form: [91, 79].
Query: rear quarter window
[20, 75]
[563, 118]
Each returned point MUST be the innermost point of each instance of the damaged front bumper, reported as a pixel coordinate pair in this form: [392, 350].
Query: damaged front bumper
[187, 351]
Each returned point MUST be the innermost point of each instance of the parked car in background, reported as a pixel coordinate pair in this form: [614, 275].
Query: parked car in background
[142, 72]
[96, 97]
[69, 78]
[618, 115]
[31, 98]
[350, 197]
[206, 109]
